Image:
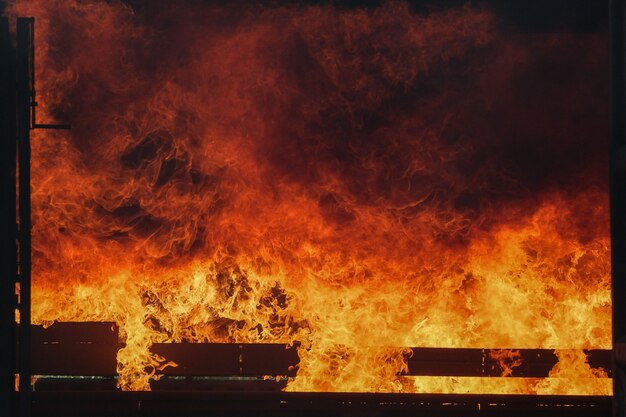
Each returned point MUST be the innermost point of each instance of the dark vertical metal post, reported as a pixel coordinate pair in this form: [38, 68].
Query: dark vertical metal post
[618, 202]
[8, 227]
[24, 87]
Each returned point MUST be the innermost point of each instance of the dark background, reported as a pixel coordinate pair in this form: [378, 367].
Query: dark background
[518, 15]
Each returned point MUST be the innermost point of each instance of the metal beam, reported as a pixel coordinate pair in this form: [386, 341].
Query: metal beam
[24, 87]
[8, 229]
[90, 348]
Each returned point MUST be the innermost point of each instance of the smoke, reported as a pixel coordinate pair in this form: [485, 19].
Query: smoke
[357, 109]
[432, 165]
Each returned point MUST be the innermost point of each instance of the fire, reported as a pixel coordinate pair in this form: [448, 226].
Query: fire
[350, 181]
[507, 360]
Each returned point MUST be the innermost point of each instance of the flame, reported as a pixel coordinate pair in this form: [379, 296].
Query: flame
[347, 181]
[573, 366]
[507, 360]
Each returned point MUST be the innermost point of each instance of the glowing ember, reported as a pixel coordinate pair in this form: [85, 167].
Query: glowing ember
[354, 180]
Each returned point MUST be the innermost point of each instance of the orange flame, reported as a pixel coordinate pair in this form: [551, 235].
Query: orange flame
[353, 180]
[507, 360]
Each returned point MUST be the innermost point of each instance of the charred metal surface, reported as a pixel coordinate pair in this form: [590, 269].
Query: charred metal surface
[269, 359]
[75, 349]
[76, 332]
[196, 359]
[228, 359]
[446, 362]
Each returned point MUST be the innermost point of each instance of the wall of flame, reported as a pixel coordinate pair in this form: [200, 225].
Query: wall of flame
[354, 180]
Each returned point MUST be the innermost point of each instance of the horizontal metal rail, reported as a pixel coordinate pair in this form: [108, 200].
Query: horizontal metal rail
[279, 404]
[83, 349]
